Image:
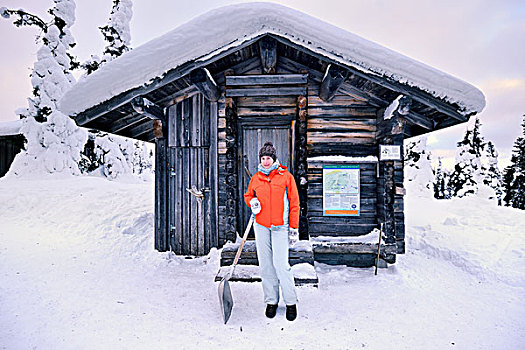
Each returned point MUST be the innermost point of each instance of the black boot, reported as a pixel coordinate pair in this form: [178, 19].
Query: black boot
[271, 310]
[291, 312]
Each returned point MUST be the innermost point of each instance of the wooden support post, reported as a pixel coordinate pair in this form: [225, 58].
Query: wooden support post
[268, 49]
[231, 169]
[161, 188]
[334, 77]
[204, 82]
[301, 165]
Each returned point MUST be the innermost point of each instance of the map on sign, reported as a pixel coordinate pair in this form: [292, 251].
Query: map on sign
[341, 190]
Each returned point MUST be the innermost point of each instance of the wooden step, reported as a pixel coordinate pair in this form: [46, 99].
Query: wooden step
[300, 253]
[304, 274]
[345, 251]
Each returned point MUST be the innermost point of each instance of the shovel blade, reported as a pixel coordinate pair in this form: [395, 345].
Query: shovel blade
[225, 299]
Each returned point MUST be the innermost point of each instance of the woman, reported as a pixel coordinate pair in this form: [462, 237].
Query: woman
[274, 200]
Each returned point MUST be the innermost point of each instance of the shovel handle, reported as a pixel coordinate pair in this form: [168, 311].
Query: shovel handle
[246, 232]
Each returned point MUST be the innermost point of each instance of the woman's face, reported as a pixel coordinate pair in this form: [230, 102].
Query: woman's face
[266, 162]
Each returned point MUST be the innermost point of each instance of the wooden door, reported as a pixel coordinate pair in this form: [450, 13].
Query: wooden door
[253, 138]
[190, 205]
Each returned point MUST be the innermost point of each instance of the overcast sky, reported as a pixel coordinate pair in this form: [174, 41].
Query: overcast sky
[479, 41]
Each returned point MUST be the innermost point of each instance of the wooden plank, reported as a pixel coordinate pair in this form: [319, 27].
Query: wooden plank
[340, 124]
[177, 199]
[334, 137]
[213, 176]
[266, 79]
[265, 91]
[172, 126]
[265, 111]
[186, 202]
[201, 205]
[195, 138]
[194, 229]
[261, 101]
[125, 122]
[352, 248]
[356, 229]
[343, 112]
[205, 123]
[142, 128]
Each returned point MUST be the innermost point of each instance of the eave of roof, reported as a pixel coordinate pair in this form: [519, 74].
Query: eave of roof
[150, 62]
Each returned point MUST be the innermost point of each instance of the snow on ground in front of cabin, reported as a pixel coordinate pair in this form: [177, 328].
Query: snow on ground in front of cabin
[78, 271]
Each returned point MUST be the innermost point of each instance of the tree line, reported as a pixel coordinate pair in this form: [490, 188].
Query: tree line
[475, 171]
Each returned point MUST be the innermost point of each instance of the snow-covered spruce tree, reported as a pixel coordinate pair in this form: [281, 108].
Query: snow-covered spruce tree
[142, 159]
[51, 75]
[493, 177]
[116, 33]
[419, 176]
[54, 141]
[441, 182]
[514, 175]
[468, 172]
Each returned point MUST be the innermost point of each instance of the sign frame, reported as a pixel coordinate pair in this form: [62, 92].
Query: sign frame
[389, 152]
[348, 201]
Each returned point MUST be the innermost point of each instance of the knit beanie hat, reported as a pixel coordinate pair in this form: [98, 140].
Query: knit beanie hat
[267, 150]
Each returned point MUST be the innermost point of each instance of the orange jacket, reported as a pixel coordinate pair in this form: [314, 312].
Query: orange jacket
[270, 190]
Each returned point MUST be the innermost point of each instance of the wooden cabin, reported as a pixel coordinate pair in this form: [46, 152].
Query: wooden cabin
[337, 108]
[11, 143]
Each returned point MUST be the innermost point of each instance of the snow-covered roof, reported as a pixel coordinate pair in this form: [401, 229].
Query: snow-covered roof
[10, 127]
[228, 27]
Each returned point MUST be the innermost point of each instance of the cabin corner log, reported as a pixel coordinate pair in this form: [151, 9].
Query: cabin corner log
[145, 107]
[301, 164]
[161, 202]
[204, 82]
[334, 77]
[268, 54]
[231, 169]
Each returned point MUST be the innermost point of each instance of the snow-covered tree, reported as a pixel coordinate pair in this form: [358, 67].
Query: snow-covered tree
[514, 175]
[419, 176]
[51, 75]
[52, 147]
[54, 141]
[493, 177]
[468, 172]
[142, 159]
[441, 182]
[116, 33]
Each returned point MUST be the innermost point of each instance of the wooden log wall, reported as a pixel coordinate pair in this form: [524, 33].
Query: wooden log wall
[10, 146]
[346, 125]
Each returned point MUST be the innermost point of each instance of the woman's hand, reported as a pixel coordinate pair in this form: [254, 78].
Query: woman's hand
[255, 205]
[293, 236]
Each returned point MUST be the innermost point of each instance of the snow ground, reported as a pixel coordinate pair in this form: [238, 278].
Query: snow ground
[78, 271]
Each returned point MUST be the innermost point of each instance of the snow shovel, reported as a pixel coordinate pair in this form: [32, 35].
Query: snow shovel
[225, 293]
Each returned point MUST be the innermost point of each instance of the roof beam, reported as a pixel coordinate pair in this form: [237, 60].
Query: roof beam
[268, 51]
[333, 78]
[204, 82]
[145, 107]
[139, 129]
[416, 94]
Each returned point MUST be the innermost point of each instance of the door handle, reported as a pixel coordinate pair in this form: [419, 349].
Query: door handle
[199, 194]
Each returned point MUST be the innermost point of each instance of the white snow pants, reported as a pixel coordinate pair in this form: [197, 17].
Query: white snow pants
[272, 252]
